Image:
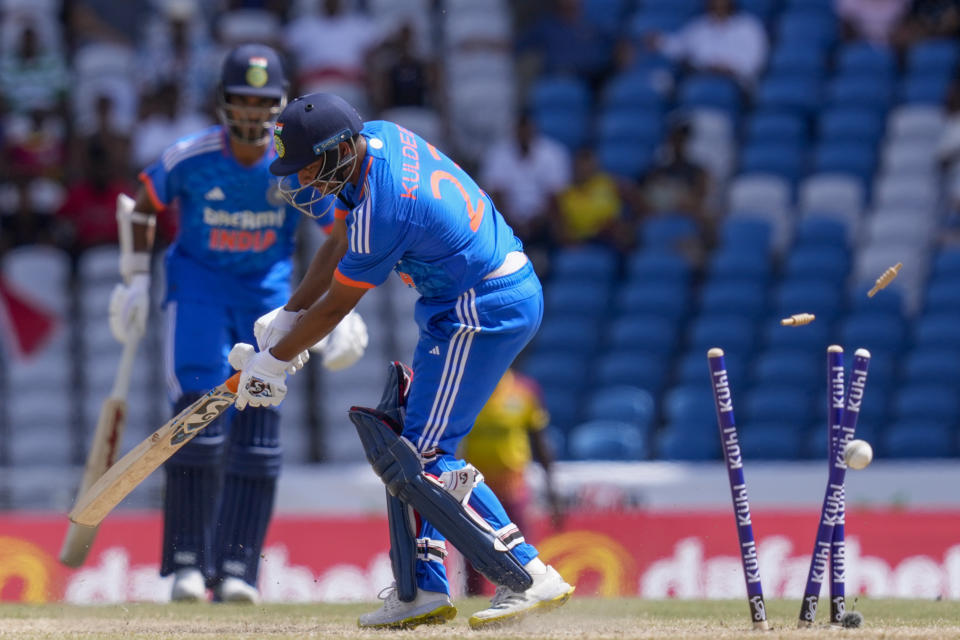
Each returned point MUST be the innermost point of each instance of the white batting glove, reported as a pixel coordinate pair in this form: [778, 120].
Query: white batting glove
[262, 377]
[345, 344]
[129, 306]
[271, 327]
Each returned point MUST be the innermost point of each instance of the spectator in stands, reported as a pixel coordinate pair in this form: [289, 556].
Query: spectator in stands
[507, 436]
[405, 78]
[870, 20]
[88, 214]
[721, 41]
[164, 120]
[332, 51]
[676, 185]
[928, 19]
[592, 207]
[564, 41]
[523, 175]
[33, 76]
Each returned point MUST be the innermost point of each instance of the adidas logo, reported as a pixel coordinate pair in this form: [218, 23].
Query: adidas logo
[215, 194]
[435, 351]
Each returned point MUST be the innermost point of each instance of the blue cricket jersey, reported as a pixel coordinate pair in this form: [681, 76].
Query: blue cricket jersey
[236, 236]
[416, 211]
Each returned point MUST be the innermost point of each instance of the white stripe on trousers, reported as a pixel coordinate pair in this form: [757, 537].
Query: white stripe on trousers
[455, 364]
[170, 370]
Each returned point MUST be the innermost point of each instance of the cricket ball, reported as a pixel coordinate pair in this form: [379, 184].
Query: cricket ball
[858, 454]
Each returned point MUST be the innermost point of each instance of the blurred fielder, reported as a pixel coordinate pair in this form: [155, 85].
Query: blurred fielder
[230, 264]
[411, 209]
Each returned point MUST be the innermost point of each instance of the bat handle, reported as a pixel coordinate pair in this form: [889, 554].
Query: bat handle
[233, 382]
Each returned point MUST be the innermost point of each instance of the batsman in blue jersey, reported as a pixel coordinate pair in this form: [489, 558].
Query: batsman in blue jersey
[407, 207]
[229, 265]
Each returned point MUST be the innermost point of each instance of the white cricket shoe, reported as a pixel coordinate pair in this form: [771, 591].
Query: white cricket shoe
[429, 607]
[549, 591]
[188, 586]
[236, 590]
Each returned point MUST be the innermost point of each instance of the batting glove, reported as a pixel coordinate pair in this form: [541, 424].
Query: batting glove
[271, 327]
[129, 306]
[262, 377]
[345, 344]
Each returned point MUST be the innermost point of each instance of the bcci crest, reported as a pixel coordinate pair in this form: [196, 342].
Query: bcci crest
[277, 142]
[257, 72]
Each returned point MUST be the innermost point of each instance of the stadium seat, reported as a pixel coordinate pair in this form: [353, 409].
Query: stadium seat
[692, 370]
[911, 438]
[933, 56]
[783, 160]
[632, 90]
[646, 22]
[653, 334]
[813, 337]
[743, 263]
[804, 295]
[853, 123]
[711, 91]
[652, 298]
[607, 440]
[576, 298]
[658, 266]
[775, 125]
[761, 192]
[946, 264]
[817, 230]
[909, 159]
[927, 89]
[563, 405]
[802, 368]
[814, 28]
[876, 332]
[770, 441]
[907, 193]
[625, 159]
[567, 334]
[866, 59]
[622, 402]
[632, 124]
[638, 368]
[832, 193]
[866, 92]
[889, 301]
[666, 231]
[794, 93]
[777, 401]
[595, 264]
[742, 297]
[817, 263]
[694, 442]
[932, 366]
[552, 93]
[920, 123]
[744, 234]
[692, 403]
[943, 296]
[935, 402]
[566, 126]
[797, 61]
[729, 331]
[854, 159]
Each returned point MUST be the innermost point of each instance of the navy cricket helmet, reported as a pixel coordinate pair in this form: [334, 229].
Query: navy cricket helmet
[311, 129]
[251, 70]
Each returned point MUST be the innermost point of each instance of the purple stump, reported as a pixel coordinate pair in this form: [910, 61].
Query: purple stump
[838, 551]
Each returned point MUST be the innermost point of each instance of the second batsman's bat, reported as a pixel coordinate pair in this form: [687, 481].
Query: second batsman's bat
[103, 453]
[130, 470]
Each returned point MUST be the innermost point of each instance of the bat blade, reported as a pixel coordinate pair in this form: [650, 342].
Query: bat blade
[103, 453]
[130, 470]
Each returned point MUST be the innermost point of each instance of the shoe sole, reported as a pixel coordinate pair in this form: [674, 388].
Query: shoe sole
[509, 618]
[441, 615]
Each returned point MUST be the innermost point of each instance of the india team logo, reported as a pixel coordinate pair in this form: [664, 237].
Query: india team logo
[257, 72]
[277, 142]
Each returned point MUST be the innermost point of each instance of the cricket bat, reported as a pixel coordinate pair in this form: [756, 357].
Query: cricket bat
[103, 453]
[130, 470]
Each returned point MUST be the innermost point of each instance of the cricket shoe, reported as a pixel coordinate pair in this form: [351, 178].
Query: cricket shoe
[429, 607]
[549, 591]
[188, 586]
[236, 590]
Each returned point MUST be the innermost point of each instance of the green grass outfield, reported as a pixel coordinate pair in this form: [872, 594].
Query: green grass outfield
[581, 618]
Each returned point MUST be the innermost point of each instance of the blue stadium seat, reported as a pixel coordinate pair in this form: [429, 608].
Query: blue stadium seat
[866, 59]
[935, 402]
[632, 90]
[694, 442]
[563, 405]
[924, 89]
[911, 438]
[889, 301]
[632, 124]
[776, 125]
[819, 297]
[623, 402]
[770, 441]
[566, 126]
[625, 159]
[740, 263]
[784, 160]
[658, 266]
[692, 370]
[585, 263]
[794, 94]
[817, 263]
[649, 21]
[943, 296]
[803, 61]
[855, 124]
[608, 15]
[804, 27]
[665, 231]
[801, 368]
[933, 56]
[946, 265]
[732, 333]
[553, 93]
[743, 297]
[857, 160]
[776, 401]
[567, 334]
[745, 234]
[556, 371]
[938, 330]
[817, 231]
[556, 441]
[653, 334]
[692, 403]
[933, 365]
[876, 332]
[710, 91]
[607, 440]
[867, 92]
[637, 368]
[762, 9]
[883, 372]
[652, 298]
[576, 298]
